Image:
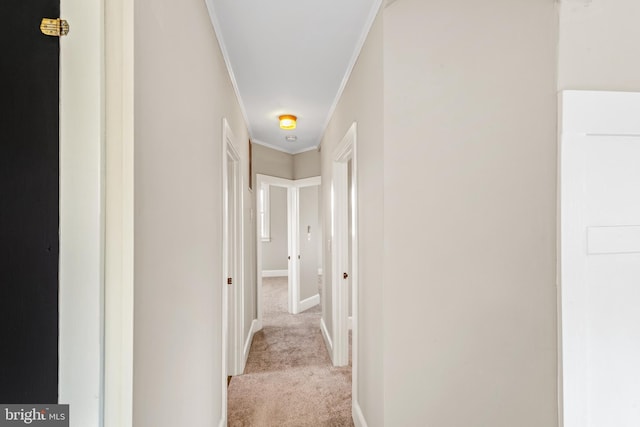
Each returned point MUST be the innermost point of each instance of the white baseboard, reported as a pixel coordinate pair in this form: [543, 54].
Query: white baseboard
[308, 303]
[358, 417]
[350, 322]
[327, 338]
[275, 273]
[223, 421]
[247, 343]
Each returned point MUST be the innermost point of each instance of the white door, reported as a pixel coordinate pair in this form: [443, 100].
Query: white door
[600, 258]
[232, 247]
[231, 262]
[344, 249]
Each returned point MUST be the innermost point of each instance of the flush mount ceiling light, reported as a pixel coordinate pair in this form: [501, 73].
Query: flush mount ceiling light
[291, 138]
[287, 122]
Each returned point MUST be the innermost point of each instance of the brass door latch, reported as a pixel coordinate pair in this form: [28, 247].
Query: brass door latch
[54, 27]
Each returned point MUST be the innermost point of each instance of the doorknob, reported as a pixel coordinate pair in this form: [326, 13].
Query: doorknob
[345, 275]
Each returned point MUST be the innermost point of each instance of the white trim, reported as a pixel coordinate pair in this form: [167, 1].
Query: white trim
[249, 340]
[227, 62]
[350, 323]
[304, 150]
[319, 271]
[275, 180]
[306, 304]
[327, 338]
[264, 212]
[82, 216]
[234, 342]
[225, 292]
[293, 250]
[344, 152]
[272, 146]
[308, 182]
[275, 273]
[559, 327]
[375, 7]
[357, 415]
[282, 149]
[119, 205]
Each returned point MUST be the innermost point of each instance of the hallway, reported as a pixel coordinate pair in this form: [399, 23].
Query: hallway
[289, 379]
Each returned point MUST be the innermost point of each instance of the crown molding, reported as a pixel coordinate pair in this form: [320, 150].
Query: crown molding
[283, 150]
[352, 63]
[225, 55]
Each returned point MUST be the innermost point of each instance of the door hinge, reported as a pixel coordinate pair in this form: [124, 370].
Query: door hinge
[229, 281]
[54, 27]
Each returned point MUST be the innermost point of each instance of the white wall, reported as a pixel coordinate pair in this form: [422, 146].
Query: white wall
[275, 252]
[182, 92]
[470, 213]
[598, 45]
[362, 102]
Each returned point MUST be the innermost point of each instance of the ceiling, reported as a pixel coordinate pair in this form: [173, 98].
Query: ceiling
[290, 57]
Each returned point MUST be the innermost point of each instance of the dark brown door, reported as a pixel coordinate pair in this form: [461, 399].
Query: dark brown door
[29, 243]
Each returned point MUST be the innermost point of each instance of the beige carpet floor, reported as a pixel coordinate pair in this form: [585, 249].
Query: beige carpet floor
[289, 380]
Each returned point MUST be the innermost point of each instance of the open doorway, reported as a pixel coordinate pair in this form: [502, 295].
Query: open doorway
[288, 211]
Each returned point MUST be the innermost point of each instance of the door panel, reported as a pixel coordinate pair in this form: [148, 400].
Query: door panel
[29, 175]
[231, 262]
[612, 180]
[600, 264]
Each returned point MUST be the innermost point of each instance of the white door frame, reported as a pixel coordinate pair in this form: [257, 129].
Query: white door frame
[585, 115]
[344, 152]
[95, 271]
[233, 295]
[119, 193]
[293, 213]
